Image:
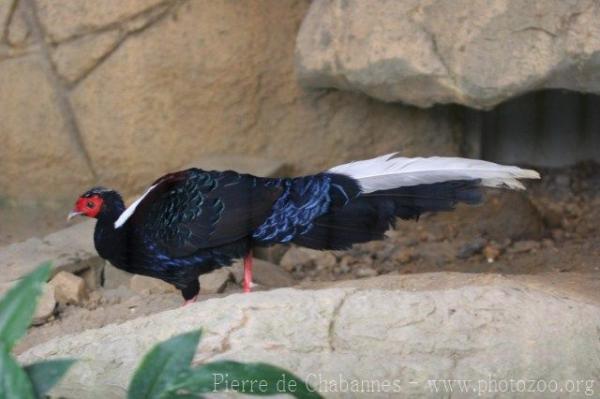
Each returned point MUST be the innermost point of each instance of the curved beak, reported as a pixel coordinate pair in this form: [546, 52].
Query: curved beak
[72, 214]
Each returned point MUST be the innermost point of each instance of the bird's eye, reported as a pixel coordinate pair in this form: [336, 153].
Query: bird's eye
[90, 204]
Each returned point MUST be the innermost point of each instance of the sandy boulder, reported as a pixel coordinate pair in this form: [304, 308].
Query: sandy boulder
[490, 332]
[430, 52]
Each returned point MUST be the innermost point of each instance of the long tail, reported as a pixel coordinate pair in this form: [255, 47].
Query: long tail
[367, 196]
[388, 172]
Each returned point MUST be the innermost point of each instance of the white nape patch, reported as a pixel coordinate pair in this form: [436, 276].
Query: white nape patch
[387, 172]
[129, 211]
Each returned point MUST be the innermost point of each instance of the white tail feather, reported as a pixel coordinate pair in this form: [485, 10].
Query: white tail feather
[387, 172]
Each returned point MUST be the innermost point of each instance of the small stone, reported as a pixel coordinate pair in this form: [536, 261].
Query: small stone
[524, 246]
[115, 295]
[114, 277]
[271, 275]
[69, 288]
[215, 281]
[92, 276]
[491, 253]
[366, 260]
[573, 209]
[426, 236]
[264, 273]
[325, 260]
[471, 248]
[552, 214]
[558, 234]
[46, 305]
[145, 285]
[302, 257]
[272, 254]
[366, 272]
[94, 300]
[294, 258]
[548, 243]
[345, 263]
[403, 256]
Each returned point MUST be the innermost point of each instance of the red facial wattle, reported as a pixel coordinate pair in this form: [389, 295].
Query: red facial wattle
[88, 206]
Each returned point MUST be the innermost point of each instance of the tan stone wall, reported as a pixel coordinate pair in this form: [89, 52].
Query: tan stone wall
[117, 92]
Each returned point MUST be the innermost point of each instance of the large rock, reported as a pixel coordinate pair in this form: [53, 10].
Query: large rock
[243, 164]
[149, 86]
[491, 333]
[71, 249]
[38, 157]
[504, 214]
[428, 52]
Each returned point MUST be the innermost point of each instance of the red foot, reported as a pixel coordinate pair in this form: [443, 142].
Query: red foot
[248, 272]
[190, 301]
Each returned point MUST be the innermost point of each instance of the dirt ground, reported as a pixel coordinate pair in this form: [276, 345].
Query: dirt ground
[547, 237]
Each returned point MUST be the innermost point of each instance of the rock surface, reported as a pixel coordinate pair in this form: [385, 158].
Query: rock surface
[500, 331]
[215, 281]
[429, 52]
[298, 257]
[69, 289]
[265, 274]
[114, 277]
[504, 214]
[124, 91]
[148, 285]
[243, 164]
[45, 306]
[92, 276]
[71, 249]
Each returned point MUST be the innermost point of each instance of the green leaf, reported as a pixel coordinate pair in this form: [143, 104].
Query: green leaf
[45, 374]
[18, 305]
[14, 383]
[162, 365]
[259, 379]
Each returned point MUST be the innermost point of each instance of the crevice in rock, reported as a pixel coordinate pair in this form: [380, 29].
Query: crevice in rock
[536, 29]
[332, 322]
[225, 342]
[9, 53]
[569, 20]
[436, 50]
[11, 13]
[158, 8]
[160, 11]
[62, 95]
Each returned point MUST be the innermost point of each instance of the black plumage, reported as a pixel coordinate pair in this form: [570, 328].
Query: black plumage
[193, 221]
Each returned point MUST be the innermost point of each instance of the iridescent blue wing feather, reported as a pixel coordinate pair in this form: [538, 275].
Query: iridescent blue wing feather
[194, 209]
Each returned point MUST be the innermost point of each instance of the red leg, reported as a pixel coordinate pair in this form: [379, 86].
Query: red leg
[248, 272]
[190, 301]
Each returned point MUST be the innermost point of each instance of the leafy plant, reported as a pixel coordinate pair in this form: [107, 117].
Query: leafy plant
[164, 373]
[16, 312]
